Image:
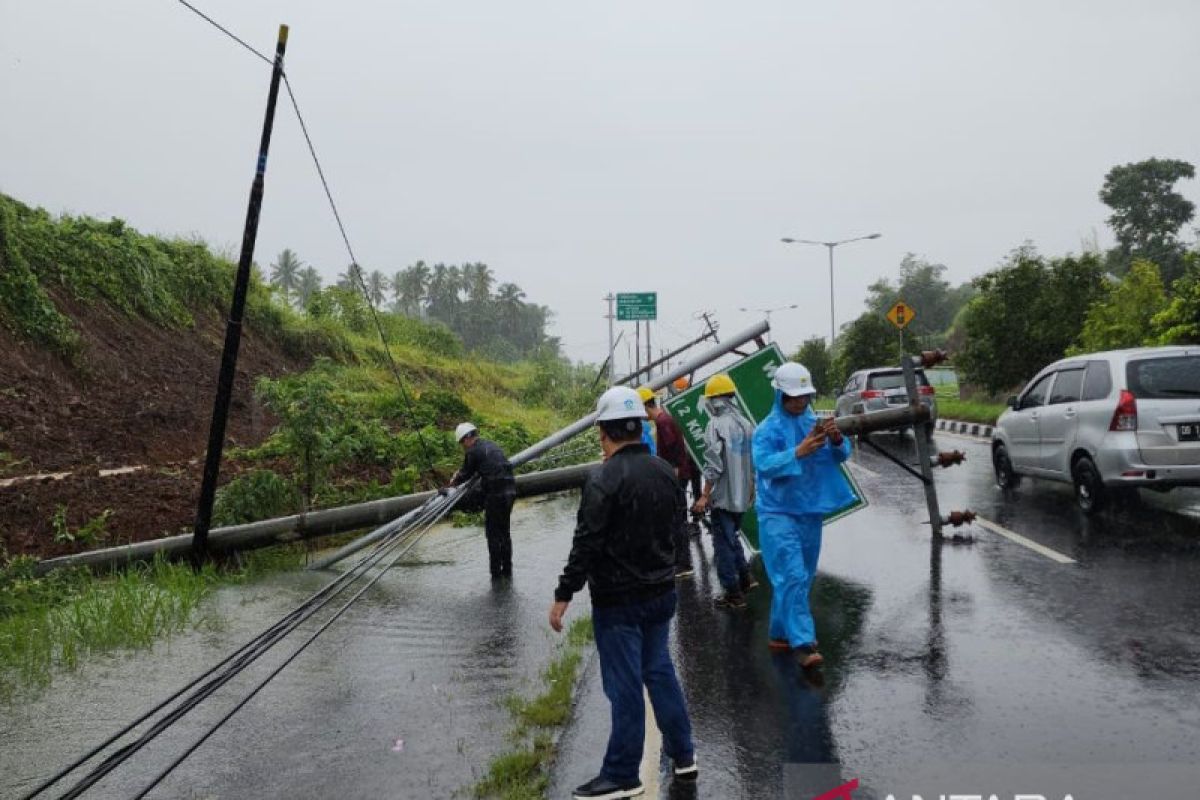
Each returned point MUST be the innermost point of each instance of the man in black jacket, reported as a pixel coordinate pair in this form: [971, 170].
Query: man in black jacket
[623, 549]
[487, 460]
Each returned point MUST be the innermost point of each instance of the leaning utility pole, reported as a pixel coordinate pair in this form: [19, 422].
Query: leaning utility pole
[233, 327]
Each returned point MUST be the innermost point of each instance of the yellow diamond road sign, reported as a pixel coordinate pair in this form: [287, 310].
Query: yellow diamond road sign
[901, 314]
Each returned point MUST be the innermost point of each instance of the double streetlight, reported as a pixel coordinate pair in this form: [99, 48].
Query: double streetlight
[769, 311]
[831, 245]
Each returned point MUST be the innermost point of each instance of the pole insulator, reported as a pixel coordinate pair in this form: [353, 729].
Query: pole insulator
[959, 518]
[949, 459]
[930, 358]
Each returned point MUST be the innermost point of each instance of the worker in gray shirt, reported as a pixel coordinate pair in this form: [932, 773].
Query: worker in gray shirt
[728, 486]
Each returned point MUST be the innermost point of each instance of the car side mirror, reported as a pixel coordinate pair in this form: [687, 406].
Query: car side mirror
[1012, 402]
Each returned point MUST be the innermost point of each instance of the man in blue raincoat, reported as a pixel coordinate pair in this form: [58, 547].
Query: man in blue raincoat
[797, 481]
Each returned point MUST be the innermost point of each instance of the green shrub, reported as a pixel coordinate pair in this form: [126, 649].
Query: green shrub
[261, 494]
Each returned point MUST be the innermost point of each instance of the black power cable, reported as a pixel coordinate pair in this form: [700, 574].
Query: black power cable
[291, 657]
[240, 659]
[355, 269]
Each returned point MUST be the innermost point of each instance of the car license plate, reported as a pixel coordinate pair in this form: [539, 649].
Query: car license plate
[1189, 432]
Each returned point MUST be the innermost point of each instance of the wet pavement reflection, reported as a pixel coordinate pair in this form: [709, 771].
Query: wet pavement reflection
[982, 652]
[403, 697]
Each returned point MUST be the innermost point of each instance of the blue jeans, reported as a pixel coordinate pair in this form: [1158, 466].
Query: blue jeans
[791, 546]
[731, 561]
[632, 642]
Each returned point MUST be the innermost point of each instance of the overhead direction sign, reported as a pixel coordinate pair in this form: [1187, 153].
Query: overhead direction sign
[901, 314]
[633, 306]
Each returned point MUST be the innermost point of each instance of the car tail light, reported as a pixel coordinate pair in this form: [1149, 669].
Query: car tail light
[869, 394]
[1125, 417]
[926, 391]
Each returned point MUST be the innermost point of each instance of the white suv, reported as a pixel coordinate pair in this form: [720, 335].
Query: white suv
[1106, 422]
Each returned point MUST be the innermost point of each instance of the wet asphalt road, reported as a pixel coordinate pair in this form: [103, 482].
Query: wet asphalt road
[983, 652]
[401, 698]
[978, 653]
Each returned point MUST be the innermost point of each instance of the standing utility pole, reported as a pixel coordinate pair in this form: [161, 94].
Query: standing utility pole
[637, 347]
[233, 327]
[649, 356]
[612, 370]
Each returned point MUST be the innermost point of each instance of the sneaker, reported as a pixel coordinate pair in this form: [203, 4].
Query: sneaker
[687, 772]
[733, 600]
[778, 645]
[685, 571]
[601, 788]
[808, 657]
[748, 582]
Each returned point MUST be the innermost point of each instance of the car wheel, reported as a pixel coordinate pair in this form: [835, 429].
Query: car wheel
[1090, 493]
[1005, 477]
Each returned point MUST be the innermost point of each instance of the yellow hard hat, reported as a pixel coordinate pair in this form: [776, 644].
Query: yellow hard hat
[681, 384]
[719, 384]
[646, 393]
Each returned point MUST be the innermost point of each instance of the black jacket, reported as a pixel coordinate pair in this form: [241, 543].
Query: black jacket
[488, 461]
[623, 547]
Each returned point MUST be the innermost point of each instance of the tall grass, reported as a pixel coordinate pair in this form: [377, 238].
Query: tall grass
[970, 410]
[58, 622]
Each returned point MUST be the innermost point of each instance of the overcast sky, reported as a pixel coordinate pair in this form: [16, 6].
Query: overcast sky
[628, 146]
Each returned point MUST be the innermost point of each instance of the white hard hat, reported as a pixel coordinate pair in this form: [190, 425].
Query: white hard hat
[620, 402]
[793, 380]
[464, 430]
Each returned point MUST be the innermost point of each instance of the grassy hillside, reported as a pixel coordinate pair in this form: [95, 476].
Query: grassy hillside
[110, 340]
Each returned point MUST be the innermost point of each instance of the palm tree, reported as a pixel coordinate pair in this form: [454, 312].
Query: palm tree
[285, 273]
[444, 284]
[478, 279]
[510, 298]
[377, 288]
[409, 287]
[308, 284]
[352, 278]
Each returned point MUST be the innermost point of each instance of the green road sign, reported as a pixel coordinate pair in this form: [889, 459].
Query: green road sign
[752, 376]
[633, 306]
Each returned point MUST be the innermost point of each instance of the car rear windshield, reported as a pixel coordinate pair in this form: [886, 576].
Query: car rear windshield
[1164, 378]
[893, 380]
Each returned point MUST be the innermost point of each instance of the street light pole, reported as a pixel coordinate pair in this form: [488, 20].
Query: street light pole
[830, 246]
[832, 324]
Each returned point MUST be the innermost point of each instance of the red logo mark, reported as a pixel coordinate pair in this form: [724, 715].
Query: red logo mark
[840, 793]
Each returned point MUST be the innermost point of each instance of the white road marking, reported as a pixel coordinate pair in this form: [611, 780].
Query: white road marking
[855, 465]
[651, 752]
[1040, 549]
[968, 436]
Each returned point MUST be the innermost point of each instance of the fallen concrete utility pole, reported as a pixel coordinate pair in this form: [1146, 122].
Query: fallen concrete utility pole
[754, 332]
[886, 420]
[304, 526]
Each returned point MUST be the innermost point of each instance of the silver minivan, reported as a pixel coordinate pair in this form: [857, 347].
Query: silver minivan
[1110, 423]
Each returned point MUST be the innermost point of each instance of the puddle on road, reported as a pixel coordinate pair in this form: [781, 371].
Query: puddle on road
[402, 697]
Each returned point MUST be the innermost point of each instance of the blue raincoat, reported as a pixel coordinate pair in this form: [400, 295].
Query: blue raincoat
[793, 495]
[648, 437]
[790, 485]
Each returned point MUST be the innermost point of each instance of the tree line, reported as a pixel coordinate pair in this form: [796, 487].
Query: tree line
[1032, 309]
[490, 318]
